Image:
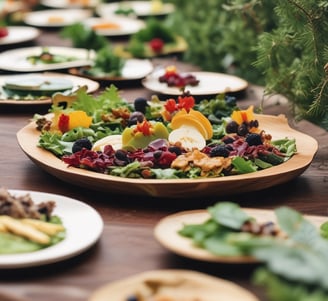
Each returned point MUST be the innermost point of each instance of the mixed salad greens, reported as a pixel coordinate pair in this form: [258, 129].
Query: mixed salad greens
[294, 252]
[151, 138]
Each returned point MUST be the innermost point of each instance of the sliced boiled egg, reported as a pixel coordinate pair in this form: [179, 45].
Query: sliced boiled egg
[114, 140]
[188, 136]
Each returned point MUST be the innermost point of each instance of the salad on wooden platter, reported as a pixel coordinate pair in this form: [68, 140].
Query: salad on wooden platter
[163, 148]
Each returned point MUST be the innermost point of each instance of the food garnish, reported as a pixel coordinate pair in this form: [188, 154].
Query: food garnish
[46, 57]
[26, 226]
[162, 139]
[173, 78]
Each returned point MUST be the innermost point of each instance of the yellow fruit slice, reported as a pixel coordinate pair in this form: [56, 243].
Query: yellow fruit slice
[205, 122]
[188, 120]
[114, 140]
[188, 136]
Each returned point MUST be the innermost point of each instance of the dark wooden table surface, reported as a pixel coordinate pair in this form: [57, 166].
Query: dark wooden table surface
[127, 245]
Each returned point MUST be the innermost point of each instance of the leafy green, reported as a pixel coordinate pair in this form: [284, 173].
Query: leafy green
[243, 166]
[84, 37]
[228, 214]
[53, 143]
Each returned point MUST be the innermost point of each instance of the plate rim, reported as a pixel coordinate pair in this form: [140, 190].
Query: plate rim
[46, 67]
[27, 138]
[48, 255]
[35, 32]
[165, 90]
[168, 8]
[94, 86]
[186, 249]
[27, 17]
[76, 71]
[139, 24]
[205, 280]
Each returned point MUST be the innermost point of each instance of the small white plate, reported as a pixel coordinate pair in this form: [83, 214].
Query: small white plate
[69, 3]
[133, 69]
[77, 82]
[77, 218]
[140, 8]
[121, 25]
[19, 34]
[210, 83]
[16, 59]
[166, 233]
[56, 17]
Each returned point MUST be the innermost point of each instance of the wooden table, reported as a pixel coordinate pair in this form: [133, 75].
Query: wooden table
[127, 246]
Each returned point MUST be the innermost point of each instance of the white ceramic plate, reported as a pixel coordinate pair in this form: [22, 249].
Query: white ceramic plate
[210, 83]
[77, 218]
[119, 26]
[56, 17]
[19, 34]
[134, 69]
[173, 285]
[166, 233]
[16, 59]
[140, 8]
[76, 81]
[69, 3]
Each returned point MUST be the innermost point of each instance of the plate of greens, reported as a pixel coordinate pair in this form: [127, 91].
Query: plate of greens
[75, 217]
[33, 59]
[38, 88]
[227, 233]
[106, 147]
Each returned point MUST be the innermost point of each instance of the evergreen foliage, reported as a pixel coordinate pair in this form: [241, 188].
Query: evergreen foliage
[294, 57]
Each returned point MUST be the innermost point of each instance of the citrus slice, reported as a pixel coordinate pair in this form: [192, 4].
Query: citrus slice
[114, 140]
[188, 136]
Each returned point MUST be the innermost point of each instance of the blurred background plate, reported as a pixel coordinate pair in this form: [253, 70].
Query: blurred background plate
[69, 3]
[17, 59]
[133, 69]
[115, 25]
[19, 34]
[76, 81]
[56, 17]
[210, 83]
[139, 8]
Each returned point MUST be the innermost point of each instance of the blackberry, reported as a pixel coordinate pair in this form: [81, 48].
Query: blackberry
[253, 139]
[232, 127]
[219, 151]
[140, 104]
[80, 144]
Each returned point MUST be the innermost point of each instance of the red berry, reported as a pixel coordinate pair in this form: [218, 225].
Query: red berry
[156, 45]
[3, 32]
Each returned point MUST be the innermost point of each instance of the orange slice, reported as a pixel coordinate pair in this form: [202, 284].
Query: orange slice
[205, 122]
